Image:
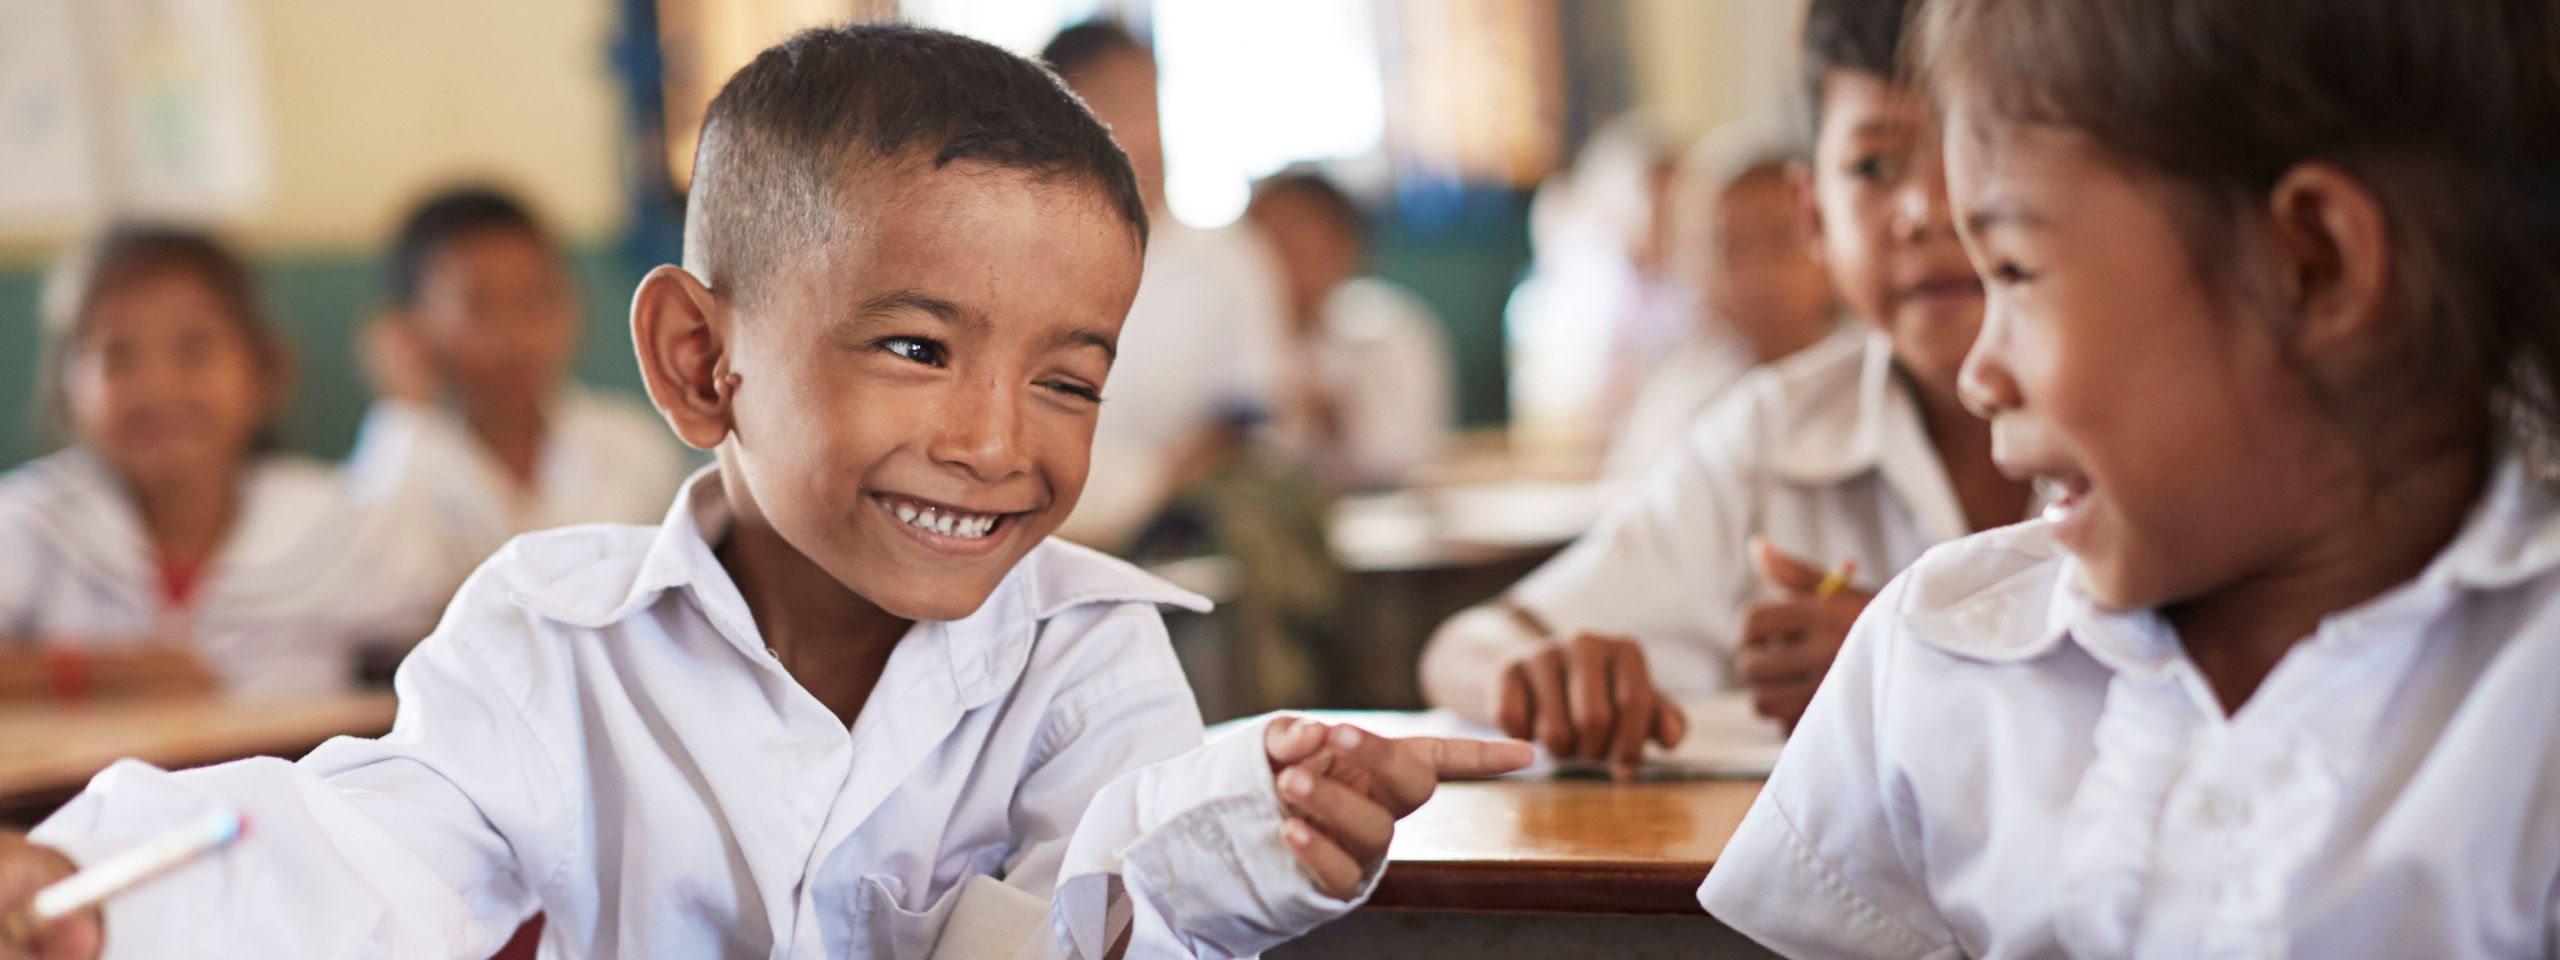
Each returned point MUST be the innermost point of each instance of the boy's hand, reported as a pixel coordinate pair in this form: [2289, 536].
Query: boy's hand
[24, 869]
[398, 364]
[1788, 644]
[1587, 698]
[1346, 788]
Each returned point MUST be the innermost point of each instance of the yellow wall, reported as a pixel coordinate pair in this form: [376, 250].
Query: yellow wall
[1702, 63]
[371, 104]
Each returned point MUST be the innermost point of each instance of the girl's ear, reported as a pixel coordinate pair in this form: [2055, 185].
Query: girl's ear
[681, 333]
[2330, 247]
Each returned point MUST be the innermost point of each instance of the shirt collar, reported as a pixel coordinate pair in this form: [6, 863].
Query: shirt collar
[1831, 429]
[2512, 535]
[987, 649]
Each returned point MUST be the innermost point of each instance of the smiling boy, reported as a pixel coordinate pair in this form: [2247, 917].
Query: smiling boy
[849, 678]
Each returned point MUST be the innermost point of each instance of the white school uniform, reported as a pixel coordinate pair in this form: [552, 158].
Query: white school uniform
[305, 576]
[598, 732]
[1823, 452]
[1996, 767]
[1201, 344]
[1382, 357]
[606, 459]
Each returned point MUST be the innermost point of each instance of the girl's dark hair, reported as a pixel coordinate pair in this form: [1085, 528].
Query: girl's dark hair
[130, 254]
[2448, 110]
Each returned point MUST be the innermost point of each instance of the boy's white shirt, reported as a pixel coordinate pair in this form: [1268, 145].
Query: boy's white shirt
[1996, 767]
[597, 732]
[1203, 335]
[306, 574]
[1823, 452]
[606, 459]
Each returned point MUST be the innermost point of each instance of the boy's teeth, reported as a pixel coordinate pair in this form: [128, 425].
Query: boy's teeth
[943, 522]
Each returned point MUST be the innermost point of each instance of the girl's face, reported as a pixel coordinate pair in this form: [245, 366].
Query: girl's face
[163, 384]
[2189, 455]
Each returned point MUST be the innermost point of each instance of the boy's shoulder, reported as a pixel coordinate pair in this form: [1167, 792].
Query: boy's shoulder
[1811, 415]
[576, 574]
[1058, 576]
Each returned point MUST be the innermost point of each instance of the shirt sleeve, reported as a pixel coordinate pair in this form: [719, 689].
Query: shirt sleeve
[430, 842]
[1127, 824]
[1668, 567]
[1818, 867]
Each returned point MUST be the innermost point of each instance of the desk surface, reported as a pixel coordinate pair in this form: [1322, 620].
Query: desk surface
[1568, 846]
[55, 748]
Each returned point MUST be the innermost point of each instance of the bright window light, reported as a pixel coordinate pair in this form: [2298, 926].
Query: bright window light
[1249, 88]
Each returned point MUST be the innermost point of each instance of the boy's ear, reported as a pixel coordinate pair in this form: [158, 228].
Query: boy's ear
[1808, 210]
[681, 334]
[2330, 248]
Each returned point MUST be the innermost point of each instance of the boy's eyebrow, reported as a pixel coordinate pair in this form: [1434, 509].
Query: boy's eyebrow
[1086, 338]
[918, 300]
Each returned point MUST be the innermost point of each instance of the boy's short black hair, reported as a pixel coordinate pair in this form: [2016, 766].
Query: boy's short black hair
[1859, 35]
[1079, 47]
[1316, 188]
[444, 219]
[791, 125]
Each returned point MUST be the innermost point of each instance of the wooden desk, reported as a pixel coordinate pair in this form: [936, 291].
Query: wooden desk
[48, 751]
[1563, 846]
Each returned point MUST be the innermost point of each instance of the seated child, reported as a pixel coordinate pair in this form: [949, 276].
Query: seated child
[849, 677]
[1366, 378]
[1740, 248]
[2274, 675]
[169, 546]
[1849, 458]
[479, 425]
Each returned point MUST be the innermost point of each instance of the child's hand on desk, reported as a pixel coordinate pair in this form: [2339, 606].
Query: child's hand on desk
[1346, 788]
[24, 869]
[1587, 698]
[1788, 644]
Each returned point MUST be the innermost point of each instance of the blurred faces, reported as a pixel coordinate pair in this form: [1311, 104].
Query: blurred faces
[1883, 230]
[497, 317]
[1120, 89]
[164, 385]
[1315, 249]
[1757, 270]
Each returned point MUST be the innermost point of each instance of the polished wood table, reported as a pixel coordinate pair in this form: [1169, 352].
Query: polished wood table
[49, 750]
[1563, 846]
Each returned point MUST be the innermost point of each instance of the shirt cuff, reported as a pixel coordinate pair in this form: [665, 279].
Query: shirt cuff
[1209, 863]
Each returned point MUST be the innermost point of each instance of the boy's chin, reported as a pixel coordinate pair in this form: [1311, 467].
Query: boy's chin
[937, 601]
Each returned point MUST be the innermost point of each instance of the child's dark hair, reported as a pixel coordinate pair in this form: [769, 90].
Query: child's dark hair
[447, 218]
[1307, 184]
[127, 255]
[787, 130]
[2449, 111]
[1078, 47]
[1860, 36]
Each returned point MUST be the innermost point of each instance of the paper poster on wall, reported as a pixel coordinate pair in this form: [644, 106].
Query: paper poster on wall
[128, 108]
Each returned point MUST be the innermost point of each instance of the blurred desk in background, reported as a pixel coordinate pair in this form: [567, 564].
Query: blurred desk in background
[48, 751]
[1415, 557]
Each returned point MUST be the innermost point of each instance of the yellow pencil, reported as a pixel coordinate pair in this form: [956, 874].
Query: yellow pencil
[1835, 581]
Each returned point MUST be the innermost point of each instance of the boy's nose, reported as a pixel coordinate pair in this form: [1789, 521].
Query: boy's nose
[980, 432]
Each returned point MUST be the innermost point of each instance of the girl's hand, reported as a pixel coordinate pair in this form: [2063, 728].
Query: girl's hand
[1346, 787]
[24, 869]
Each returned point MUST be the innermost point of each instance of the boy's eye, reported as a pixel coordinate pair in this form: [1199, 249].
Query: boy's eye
[917, 349]
[2010, 273]
[1073, 389]
[1871, 167]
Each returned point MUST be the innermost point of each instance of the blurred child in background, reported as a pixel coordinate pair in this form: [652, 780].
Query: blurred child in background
[168, 546]
[1366, 383]
[1198, 376]
[478, 423]
[1740, 249]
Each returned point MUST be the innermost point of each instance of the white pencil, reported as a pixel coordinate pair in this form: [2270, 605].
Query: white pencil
[203, 835]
